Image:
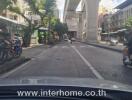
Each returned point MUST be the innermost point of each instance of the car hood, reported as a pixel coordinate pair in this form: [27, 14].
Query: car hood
[58, 81]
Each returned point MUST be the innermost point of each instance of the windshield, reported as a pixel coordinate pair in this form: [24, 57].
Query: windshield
[66, 38]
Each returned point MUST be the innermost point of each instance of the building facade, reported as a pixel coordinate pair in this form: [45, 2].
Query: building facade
[120, 17]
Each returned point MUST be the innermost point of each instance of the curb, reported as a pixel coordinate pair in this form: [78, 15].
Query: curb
[12, 64]
[104, 47]
[31, 47]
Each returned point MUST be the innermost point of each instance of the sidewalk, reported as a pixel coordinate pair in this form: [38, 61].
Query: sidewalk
[104, 45]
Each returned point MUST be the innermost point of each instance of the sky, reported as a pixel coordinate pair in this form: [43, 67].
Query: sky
[111, 3]
[106, 3]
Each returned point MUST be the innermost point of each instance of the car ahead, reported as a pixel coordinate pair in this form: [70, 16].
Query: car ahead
[56, 88]
[73, 39]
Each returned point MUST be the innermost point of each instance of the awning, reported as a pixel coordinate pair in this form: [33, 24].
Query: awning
[122, 30]
[104, 33]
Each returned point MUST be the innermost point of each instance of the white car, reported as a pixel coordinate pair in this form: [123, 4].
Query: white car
[113, 42]
[73, 39]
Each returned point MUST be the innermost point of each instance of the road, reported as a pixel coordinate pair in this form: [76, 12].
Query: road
[74, 60]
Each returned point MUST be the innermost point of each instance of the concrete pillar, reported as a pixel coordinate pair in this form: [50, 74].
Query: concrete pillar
[79, 26]
[91, 19]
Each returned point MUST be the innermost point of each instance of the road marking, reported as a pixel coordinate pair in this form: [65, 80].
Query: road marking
[95, 72]
[14, 70]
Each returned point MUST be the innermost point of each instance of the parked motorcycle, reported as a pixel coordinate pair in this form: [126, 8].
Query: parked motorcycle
[17, 51]
[2, 53]
[9, 50]
[17, 48]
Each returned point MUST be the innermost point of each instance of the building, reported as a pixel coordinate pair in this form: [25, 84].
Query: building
[120, 17]
[124, 12]
[23, 5]
[13, 21]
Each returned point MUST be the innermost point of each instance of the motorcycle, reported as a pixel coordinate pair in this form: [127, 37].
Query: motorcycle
[127, 58]
[17, 49]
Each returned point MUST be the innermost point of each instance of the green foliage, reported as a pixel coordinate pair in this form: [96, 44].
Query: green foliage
[128, 23]
[4, 4]
[34, 6]
[60, 28]
[49, 6]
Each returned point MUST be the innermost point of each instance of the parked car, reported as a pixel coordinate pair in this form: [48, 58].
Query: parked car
[113, 42]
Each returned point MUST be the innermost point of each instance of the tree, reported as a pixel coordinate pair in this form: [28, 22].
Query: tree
[4, 4]
[35, 6]
[128, 23]
[38, 6]
[27, 29]
[60, 28]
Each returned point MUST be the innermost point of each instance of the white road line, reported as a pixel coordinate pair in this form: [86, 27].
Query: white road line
[14, 70]
[95, 72]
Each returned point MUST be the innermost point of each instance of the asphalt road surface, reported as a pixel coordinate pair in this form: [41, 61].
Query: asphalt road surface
[74, 60]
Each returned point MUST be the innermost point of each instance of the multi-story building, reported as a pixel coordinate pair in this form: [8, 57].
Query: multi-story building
[121, 16]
